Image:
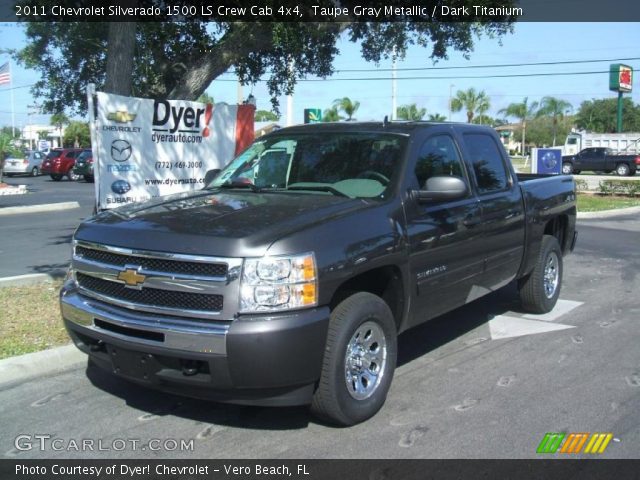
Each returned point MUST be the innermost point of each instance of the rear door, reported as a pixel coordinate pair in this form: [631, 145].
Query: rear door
[502, 210]
[443, 255]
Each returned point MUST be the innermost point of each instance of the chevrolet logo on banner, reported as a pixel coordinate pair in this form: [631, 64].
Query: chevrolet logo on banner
[121, 116]
[132, 278]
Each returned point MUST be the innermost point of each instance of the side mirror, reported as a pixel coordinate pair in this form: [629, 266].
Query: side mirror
[210, 175]
[439, 188]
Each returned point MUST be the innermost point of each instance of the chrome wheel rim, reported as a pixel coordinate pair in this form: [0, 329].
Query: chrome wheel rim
[551, 275]
[365, 360]
[566, 169]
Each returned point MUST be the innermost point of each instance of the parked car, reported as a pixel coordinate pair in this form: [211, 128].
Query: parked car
[601, 159]
[29, 164]
[60, 163]
[287, 280]
[84, 165]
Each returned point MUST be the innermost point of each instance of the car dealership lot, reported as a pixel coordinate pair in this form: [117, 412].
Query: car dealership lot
[465, 388]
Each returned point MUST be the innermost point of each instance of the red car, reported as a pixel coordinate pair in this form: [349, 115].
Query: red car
[60, 162]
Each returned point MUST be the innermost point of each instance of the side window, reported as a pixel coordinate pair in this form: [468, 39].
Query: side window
[438, 156]
[488, 166]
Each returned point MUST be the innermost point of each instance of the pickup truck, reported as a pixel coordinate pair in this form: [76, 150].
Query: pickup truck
[287, 280]
[600, 159]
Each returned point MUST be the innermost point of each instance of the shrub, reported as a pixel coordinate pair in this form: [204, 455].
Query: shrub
[581, 184]
[620, 187]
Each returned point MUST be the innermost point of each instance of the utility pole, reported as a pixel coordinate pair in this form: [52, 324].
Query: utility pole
[394, 87]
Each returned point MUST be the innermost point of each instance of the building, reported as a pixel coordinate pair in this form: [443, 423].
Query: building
[33, 134]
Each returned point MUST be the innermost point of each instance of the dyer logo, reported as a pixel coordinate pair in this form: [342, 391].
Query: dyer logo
[120, 150]
[573, 442]
[167, 118]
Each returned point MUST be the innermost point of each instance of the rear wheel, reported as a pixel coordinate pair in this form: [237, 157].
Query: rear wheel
[73, 176]
[56, 176]
[359, 361]
[539, 291]
[623, 169]
[35, 172]
[567, 168]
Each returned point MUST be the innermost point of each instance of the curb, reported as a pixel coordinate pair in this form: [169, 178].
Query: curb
[29, 279]
[609, 213]
[47, 362]
[39, 208]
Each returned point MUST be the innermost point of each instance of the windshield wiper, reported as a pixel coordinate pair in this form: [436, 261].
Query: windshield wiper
[237, 184]
[320, 188]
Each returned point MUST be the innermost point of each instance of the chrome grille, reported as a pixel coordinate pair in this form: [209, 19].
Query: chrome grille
[173, 285]
[154, 264]
[152, 296]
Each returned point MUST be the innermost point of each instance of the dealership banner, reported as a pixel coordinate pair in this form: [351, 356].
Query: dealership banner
[144, 148]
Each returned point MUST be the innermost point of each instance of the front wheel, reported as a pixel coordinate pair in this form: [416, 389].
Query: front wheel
[567, 168]
[73, 176]
[359, 361]
[539, 291]
[623, 169]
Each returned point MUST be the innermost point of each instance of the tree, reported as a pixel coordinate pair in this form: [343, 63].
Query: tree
[205, 98]
[43, 134]
[179, 60]
[77, 134]
[436, 117]
[347, 106]
[59, 120]
[265, 116]
[411, 112]
[523, 111]
[540, 130]
[600, 116]
[331, 115]
[5, 148]
[556, 108]
[470, 100]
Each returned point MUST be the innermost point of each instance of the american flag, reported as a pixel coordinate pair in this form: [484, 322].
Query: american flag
[5, 74]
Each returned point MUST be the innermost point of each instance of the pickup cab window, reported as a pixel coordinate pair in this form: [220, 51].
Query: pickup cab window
[438, 156]
[355, 165]
[488, 166]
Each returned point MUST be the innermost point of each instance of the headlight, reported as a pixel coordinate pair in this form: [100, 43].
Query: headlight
[278, 283]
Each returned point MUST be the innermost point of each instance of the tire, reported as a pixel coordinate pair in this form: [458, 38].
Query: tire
[539, 291]
[347, 392]
[567, 168]
[56, 176]
[72, 176]
[35, 172]
[623, 170]
[88, 178]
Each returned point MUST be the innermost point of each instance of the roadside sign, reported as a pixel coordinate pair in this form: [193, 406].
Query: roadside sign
[312, 115]
[546, 160]
[43, 145]
[620, 77]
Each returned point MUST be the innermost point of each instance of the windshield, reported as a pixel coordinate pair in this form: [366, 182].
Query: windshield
[356, 165]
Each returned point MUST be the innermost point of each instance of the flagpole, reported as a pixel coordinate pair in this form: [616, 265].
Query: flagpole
[13, 113]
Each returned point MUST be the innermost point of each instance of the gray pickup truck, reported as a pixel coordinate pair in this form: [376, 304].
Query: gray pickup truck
[287, 280]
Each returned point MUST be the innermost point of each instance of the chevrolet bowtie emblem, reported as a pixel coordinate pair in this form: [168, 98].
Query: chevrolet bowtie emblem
[131, 277]
[121, 116]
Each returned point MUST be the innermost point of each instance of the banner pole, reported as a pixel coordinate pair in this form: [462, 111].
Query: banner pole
[93, 129]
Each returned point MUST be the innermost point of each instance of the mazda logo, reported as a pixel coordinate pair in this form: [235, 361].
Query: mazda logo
[120, 150]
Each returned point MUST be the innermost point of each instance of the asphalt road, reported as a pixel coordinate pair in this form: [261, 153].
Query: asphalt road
[40, 242]
[465, 386]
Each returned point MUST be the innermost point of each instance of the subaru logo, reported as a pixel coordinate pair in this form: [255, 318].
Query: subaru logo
[120, 150]
[120, 186]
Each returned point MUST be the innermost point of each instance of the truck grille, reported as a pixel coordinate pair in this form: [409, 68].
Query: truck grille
[152, 297]
[154, 264]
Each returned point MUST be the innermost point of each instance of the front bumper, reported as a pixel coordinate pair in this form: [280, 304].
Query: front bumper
[83, 170]
[254, 359]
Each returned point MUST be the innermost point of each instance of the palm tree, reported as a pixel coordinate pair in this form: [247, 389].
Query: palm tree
[523, 112]
[347, 106]
[59, 120]
[556, 108]
[473, 102]
[411, 112]
[436, 117]
[331, 115]
[5, 146]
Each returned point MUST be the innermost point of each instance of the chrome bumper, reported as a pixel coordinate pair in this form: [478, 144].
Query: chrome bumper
[178, 333]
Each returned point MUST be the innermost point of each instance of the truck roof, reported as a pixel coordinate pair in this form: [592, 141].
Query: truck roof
[400, 127]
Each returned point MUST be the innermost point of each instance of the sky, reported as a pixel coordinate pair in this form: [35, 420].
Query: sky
[529, 43]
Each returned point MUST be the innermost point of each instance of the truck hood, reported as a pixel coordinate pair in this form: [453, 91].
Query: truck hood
[230, 223]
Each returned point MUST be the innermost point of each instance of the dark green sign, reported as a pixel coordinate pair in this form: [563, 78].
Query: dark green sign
[312, 115]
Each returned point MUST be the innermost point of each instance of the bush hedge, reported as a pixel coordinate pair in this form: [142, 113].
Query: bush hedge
[619, 187]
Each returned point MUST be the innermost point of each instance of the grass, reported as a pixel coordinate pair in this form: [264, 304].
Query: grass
[30, 319]
[595, 203]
